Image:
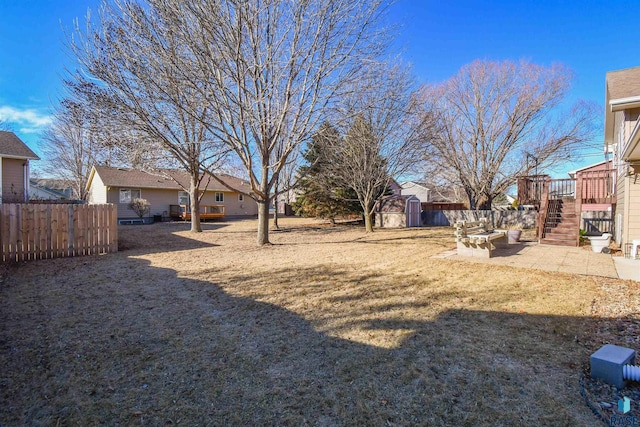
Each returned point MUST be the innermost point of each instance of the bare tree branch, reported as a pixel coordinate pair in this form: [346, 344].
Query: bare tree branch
[73, 146]
[382, 136]
[491, 114]
[131, 71]
[271, 69]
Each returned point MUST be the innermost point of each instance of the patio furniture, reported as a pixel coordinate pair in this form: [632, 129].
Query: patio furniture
[635, 243]
[473, 238]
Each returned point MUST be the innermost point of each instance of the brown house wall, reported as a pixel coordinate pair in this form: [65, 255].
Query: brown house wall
[13, 179]
[633, 227]
[631, 117]
[621, 185]
[628, 203]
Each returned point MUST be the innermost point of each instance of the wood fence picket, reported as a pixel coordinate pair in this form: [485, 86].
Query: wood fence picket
[41, 231]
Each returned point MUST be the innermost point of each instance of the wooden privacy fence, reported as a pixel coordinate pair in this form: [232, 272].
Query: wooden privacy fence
[44, 231]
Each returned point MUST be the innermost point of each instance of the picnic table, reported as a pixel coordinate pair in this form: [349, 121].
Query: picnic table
[474, 238]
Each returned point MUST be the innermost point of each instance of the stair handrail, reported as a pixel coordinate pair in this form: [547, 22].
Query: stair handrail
[578, 208]
[544, 206]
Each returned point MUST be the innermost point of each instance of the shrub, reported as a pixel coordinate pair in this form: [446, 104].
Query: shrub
[140, 206]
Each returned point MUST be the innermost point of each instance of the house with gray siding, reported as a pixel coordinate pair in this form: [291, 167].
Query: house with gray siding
[164, 189]
[622, 138]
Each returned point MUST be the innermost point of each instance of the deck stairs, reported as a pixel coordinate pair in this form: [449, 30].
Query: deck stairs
[561, 225]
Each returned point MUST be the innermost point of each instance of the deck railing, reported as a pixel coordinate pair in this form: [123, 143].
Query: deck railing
[562, 189]
[598, 186]
[206, 211]
[592, 186]
[531, 188]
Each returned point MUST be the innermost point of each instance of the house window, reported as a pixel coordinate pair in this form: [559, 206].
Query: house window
[183, 197]
[128, 194]
[241, 197]
[219, 197]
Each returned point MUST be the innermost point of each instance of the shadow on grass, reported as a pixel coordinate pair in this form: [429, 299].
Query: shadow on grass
[147, 347]
[379, 237]
[147, 239]
[410, 238]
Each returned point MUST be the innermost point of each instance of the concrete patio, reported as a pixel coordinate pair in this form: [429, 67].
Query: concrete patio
[574, 260]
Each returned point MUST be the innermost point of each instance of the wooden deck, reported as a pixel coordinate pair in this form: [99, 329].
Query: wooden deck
[183, 212]
[559, 202]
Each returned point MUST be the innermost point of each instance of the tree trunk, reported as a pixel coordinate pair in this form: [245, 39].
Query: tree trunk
[263, 208]
[195, 205]
[482, 200]
[275, 204]
[263, 223]
[368, 223]
[485, 205]
[275, 214]
[471, 198]
[367, 211]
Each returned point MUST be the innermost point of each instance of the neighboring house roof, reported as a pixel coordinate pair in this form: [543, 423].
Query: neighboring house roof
[443, 195]
[13, 147]
[36, 186]
[167, 179]
[574, 172]
[394, 186]
[408, 184]
[60, 185]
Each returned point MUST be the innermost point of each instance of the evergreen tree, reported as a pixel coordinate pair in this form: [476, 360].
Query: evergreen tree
[361, 153]
[320, 194]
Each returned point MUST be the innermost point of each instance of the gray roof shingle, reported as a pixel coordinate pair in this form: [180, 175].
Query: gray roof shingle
[124, 177]
[12, 146]
[623, 83]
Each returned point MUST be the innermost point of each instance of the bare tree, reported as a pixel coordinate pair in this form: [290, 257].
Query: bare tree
[491, 114]
[131, 69]
[272, 68]
[285, 181]
[382, 138]
[73, 146]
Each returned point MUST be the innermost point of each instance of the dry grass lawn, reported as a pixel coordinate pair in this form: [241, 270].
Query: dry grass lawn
[329, 326]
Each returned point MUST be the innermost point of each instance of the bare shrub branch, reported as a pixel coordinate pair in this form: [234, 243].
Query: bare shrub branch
[140, 206]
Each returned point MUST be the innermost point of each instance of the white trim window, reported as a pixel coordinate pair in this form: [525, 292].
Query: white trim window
[183, 198]
[128, 194]
[240, 197]
[220, 197]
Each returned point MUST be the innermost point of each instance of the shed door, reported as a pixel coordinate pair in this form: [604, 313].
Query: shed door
[413, 213]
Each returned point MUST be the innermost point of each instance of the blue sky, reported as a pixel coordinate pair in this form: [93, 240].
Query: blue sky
[437, 37]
